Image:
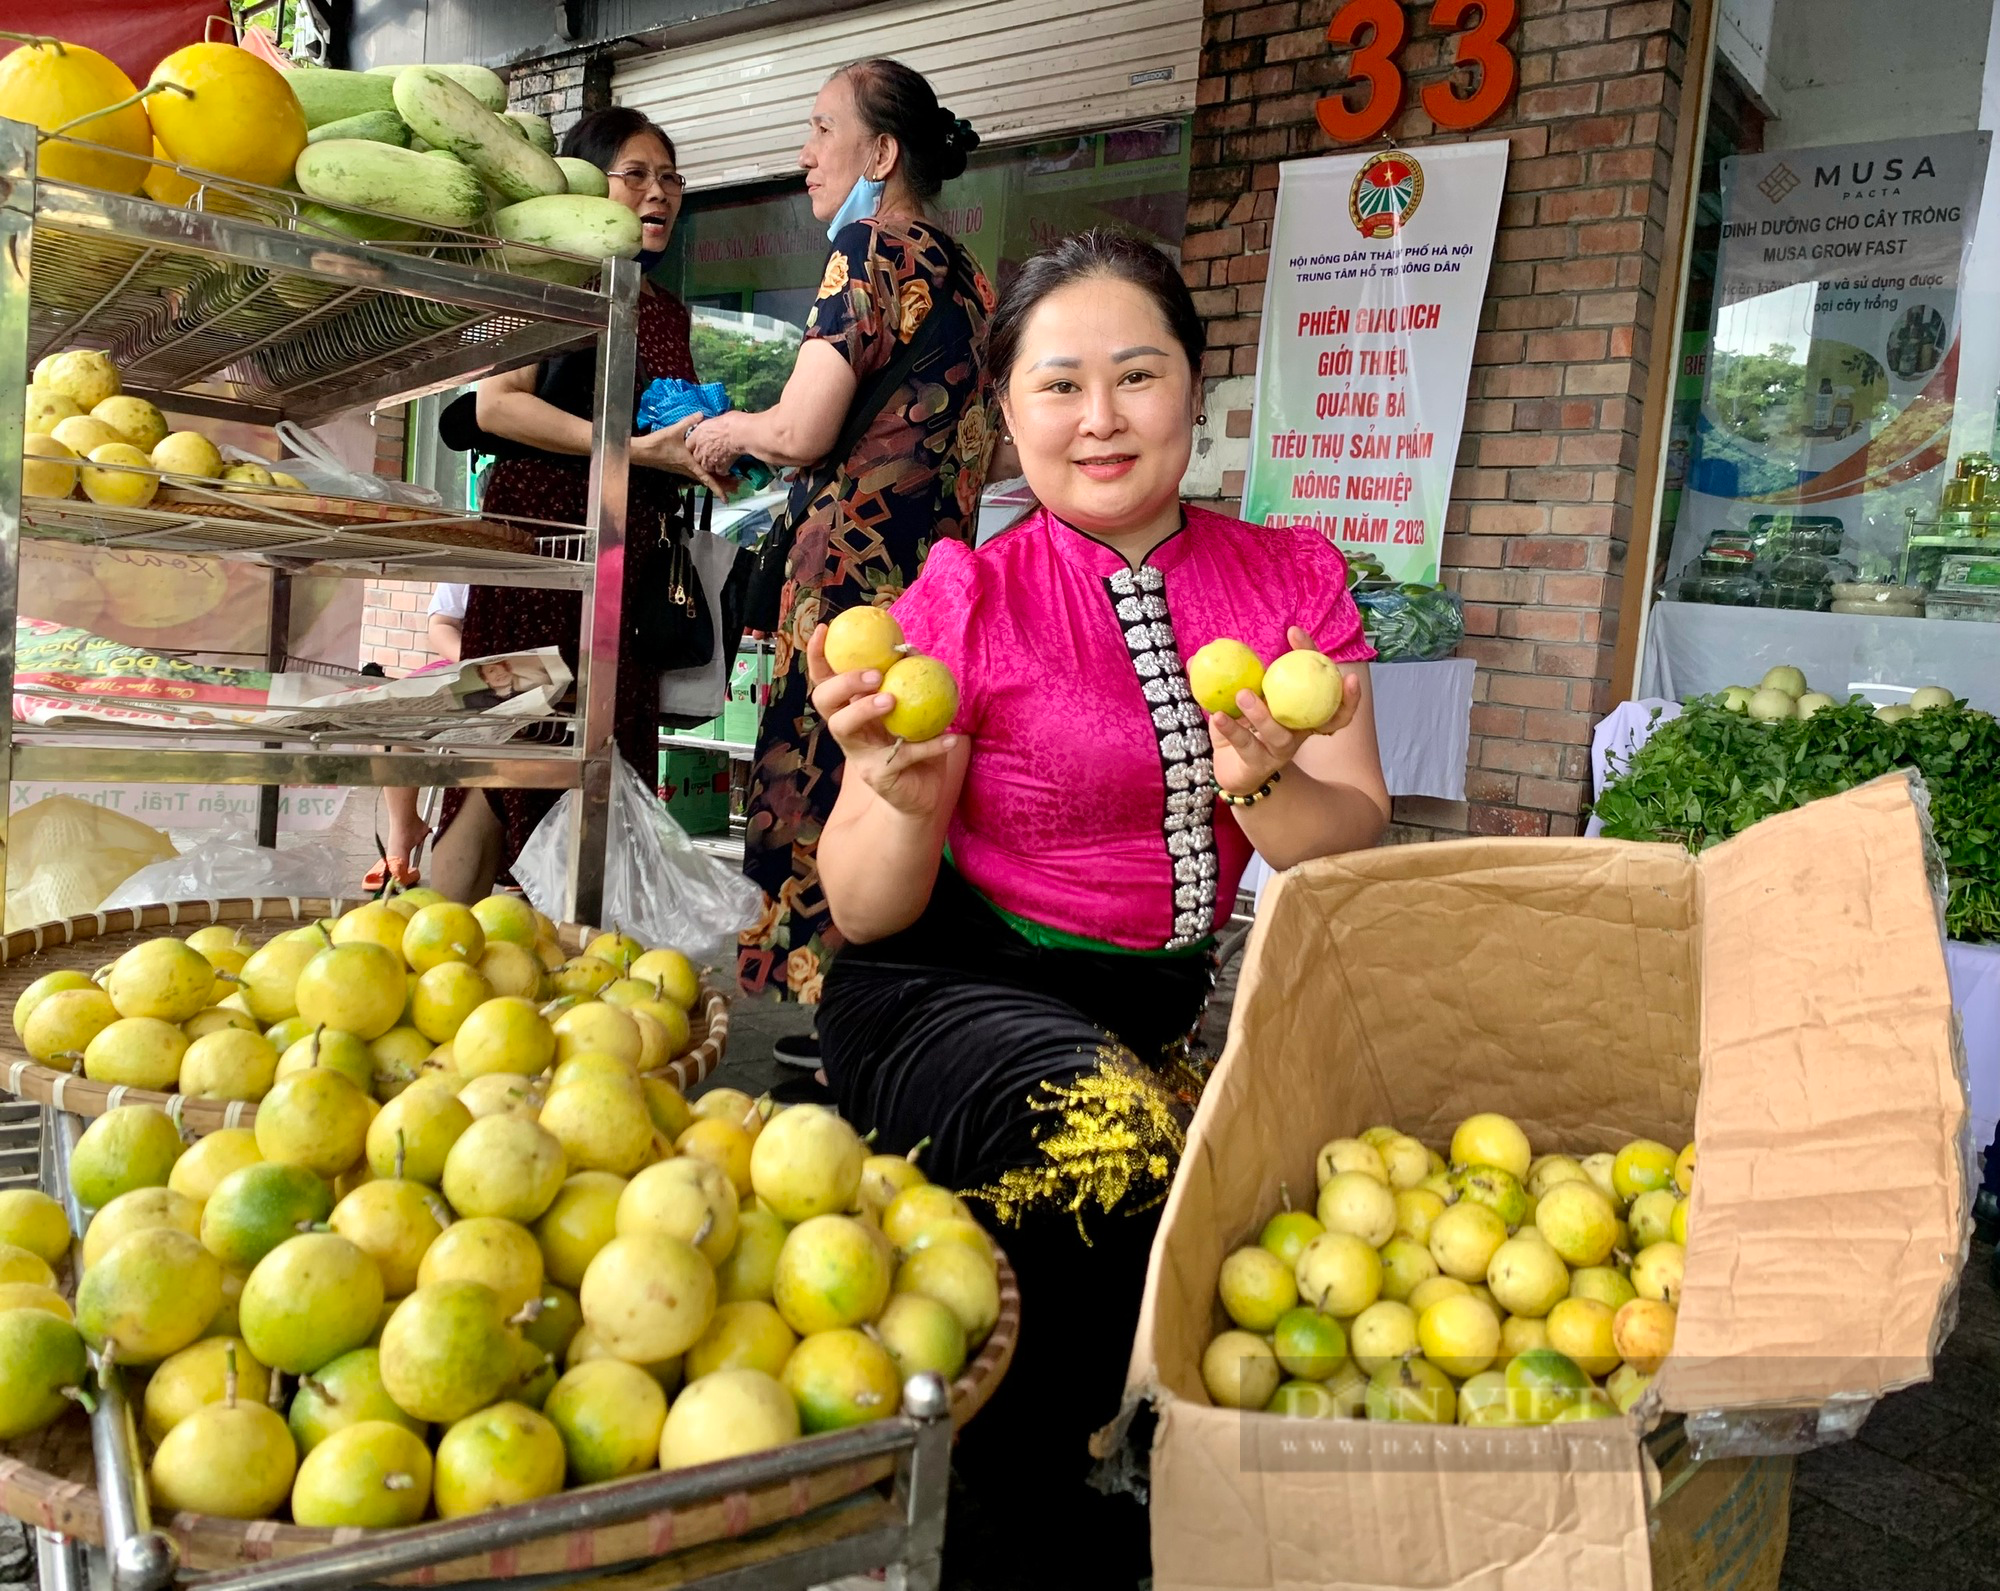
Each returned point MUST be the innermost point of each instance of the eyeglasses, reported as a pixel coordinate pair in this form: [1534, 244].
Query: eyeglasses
[645, 176]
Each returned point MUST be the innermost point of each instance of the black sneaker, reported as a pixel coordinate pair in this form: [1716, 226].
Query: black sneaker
[798, 1049]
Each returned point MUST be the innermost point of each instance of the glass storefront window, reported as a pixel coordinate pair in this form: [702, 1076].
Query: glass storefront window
[1830, 497]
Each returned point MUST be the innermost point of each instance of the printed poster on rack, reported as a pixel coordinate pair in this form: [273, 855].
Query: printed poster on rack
[1378, 268]
[1831, 381]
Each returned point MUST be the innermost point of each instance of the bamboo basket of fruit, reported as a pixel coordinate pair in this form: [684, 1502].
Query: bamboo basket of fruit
[351, 1319]
[86, 1038]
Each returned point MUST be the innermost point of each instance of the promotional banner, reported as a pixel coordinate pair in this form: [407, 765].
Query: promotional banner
[1832, 368]
[1378, 267]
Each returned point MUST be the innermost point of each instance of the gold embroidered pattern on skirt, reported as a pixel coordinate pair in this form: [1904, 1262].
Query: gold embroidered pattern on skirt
[1118, 1134]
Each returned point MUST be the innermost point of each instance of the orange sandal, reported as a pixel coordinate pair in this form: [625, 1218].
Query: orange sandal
[407, 877]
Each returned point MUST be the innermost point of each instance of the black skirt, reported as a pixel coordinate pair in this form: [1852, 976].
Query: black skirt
[961, 1031]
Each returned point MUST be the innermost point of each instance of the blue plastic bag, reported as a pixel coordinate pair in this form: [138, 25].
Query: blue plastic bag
[670, 400]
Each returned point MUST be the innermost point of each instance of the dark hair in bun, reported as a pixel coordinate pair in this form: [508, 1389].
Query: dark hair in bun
[601, 134]
[900, 103]
[1101, 251]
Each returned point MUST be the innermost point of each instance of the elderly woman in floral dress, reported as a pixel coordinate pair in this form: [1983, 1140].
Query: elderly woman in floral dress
[878, 151]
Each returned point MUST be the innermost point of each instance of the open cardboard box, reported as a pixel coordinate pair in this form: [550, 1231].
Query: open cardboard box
[1782, 999]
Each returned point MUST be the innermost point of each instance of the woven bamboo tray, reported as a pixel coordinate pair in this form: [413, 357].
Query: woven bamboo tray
[90, 942]
[47, 1480]
[432, 527]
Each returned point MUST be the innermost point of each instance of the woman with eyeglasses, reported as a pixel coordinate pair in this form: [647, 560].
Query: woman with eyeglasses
[541, 416]
[887, 419]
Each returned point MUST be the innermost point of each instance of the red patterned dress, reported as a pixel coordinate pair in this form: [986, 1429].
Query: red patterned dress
[512, 618]
[863, 525]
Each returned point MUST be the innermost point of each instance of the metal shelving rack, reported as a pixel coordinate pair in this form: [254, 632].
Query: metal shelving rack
[228, 311]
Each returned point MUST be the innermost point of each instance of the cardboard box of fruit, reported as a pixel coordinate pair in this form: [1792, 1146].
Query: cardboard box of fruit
[1781, 999]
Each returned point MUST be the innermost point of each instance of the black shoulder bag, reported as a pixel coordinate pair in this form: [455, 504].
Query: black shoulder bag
[770, 560]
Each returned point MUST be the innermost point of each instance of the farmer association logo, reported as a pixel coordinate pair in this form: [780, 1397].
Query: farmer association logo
[1386, 192]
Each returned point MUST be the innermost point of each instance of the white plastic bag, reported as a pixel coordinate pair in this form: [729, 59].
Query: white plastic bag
[318, 468]
[229, 866]
[657, 886]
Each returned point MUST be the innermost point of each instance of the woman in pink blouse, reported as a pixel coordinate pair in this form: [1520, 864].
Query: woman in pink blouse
[1030, 900]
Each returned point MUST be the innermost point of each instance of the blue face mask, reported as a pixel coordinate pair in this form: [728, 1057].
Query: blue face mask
[862, 201]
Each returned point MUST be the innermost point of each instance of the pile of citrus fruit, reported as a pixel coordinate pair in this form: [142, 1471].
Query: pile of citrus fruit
[1494, 1288]
[451, 1273]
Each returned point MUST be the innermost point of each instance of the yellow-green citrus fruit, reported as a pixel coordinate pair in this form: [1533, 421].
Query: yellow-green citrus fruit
[1413, 1391]
[309, 1300]
[510, 969]
[270, 978]
[583, 976]
[1656, 1273]
[18, 1265]
[1464, 1239]
[47, 984]
[372, 1475]
[30, 1219]
[129, 1146]
[33, 1295]
[196, 1377]
[1383, 1332]
[162, 978]
[341, 1393]
[1643, 1333]
[1406, 1266]
[336, 1051]
[42, 1355]
[1239, 1370]
[649, 1297]
[832, 1272]
[137, 1051]
[619, 950]
[1603, 1283]
[922, 1334]
[1256, 1288]
[259, 1206]
[1309, 1345]
[919, 1207]
[498, 1457]
[506, 1034]
[376, 923]
[504, 1166]
[1219, 670]
[150, 1296]
[926, 698]
[807, 1162]
[1287, 1233]
[1651, 1217]
[1459, 1335]
[505, 919]
[726, 1415]
[445, 931]
[446, 1351]
[65, 1021]
[316, 1119]
[1353, 1201]
[502, 1254]
[839, 1378]
[357, 987]
[1500, 1191]
[584, 1347]
[1641, 1166]
[963, 1281]
[609, 1414]
[1339, 1274]
[750, 1335]
[688, 1199]
[861, 638]
[1578, 1222]
[234, 1460]
[132, 1212]
[1581, 1328]
[1544, 1383]
[394, 1222]
[1349, 1154]
[600, 1122]
[1684, 1165]
[1425, 1294]
[596, 1028]
[214, 1018]
[229, 1063]
[420, 1124]
[1527, 1276]
[751, 1270]
[580, 1221]
[672, 973]
[1491, 1140]
[1303, 689]
[445, 996]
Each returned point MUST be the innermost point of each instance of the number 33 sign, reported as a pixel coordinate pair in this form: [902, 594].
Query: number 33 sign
[1480, 45]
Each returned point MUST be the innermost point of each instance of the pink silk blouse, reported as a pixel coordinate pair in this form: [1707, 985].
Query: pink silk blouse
[1089, 804]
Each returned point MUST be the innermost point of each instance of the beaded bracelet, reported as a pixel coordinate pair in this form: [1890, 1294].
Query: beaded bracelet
[1230, 798]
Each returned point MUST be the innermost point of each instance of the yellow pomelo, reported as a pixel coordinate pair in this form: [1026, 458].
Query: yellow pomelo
[863, 637]
[506, 1034]
[396, 1224]
[133, 1212]
[1491, 1140]
[728, 1414]
[1459, 1335]
[420, 1124]
[163, 978]
[374, 923]
[1239, 1370]
[356, 987]
[137, 1051]
[334, 1050]
[112, 476]
[510, 969]
[188, 455]
[609, 1415]
[134, 419]
[580, 1221]
[721, 1143]
[64, 1022]
[85, 375]
[833, 1272]
[1339, 1275]
[51, 85]
[371, 1475]
[150, 1296]
[229, 112]
[1221, 669]
[129, 1146]
[672, 974]
[42, 409]
[83, 434]
[258, 1206]
[47, 984]
[601, 1124]
[445, 996]
[309, 1300]
[1303, 690]
[44, 1360]
[229, 1064]
[505, 918]
[922, 1334]
[33, 1295]
[231, 1459]
[498, 1457]
[500, 1254]
[684, 1198]
[647, 1297]
[504, 1166]
[271, 975]
[196, 1377]
[316, 1119]
[751, 1270]
[48, 467]
[926, 699]
[31, 1220]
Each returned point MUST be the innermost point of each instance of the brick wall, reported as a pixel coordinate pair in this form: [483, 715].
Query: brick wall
[1542, 510]
[561, 87]
[393, 618]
